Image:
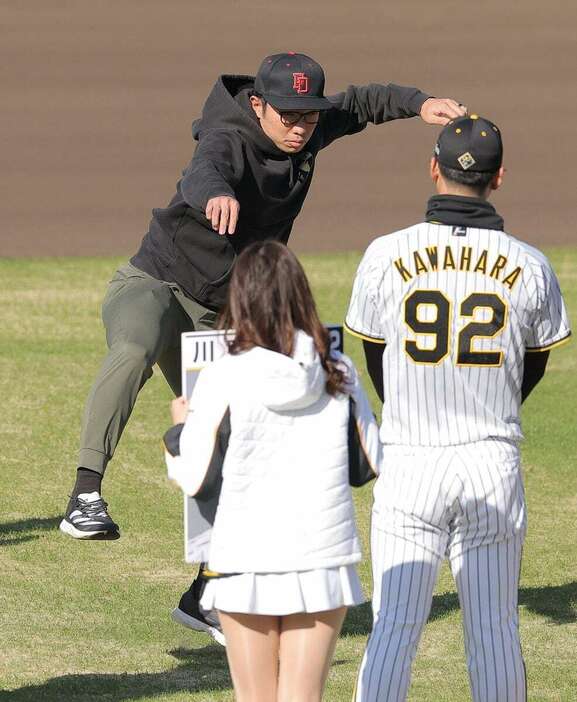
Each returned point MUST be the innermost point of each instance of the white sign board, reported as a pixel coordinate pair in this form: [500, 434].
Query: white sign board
[199, 349]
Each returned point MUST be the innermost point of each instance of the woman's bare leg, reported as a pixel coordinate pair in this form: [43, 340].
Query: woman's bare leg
[252, 649]
[307, 644]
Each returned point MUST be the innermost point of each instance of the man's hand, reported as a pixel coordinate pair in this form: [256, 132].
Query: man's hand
[441, 110]
[223, 213]
[179, 410]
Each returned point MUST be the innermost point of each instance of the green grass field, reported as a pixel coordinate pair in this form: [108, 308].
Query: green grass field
[85, 620]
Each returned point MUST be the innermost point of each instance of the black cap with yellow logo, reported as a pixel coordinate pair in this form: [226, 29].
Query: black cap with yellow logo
[470, 144]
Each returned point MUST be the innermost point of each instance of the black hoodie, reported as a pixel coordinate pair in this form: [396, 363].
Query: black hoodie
[235, 157]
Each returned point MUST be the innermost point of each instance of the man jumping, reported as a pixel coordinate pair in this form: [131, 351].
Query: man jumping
[258, 139]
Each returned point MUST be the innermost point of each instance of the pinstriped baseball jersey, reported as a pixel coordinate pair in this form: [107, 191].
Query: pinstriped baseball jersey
[457, 308]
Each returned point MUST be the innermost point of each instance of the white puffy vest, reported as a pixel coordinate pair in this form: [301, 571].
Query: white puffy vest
[285, 502]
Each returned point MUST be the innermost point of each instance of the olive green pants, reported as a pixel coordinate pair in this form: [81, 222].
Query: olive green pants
[144, 318]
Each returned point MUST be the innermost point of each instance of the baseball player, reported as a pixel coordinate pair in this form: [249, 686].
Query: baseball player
[258, 139]
[457, 319]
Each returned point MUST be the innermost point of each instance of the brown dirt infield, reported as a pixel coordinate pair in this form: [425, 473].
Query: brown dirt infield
[98, 97]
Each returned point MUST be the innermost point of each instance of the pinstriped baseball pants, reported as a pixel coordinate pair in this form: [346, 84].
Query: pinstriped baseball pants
[465, 503]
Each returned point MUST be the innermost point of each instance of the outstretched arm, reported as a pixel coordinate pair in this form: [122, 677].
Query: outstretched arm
[375, 103]
[210, 180]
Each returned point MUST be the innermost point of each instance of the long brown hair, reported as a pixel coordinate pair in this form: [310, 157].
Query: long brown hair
[269, 300]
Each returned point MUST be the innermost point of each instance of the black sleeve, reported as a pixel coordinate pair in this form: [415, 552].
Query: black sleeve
[361, 470]
[533, 370]
[216, 168]
[374, 103]
[374, 361]
[172, 439]
[212, 483]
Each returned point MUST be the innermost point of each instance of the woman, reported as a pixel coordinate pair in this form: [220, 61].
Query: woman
[285, 424]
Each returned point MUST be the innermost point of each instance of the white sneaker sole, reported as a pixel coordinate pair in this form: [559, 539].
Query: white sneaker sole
[186, 620]
[67, 528]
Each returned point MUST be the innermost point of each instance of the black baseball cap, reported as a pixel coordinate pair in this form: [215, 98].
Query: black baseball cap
[472, 144]
[292, 82]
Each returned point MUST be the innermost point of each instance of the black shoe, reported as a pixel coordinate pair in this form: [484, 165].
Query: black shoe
[87, 517]
[190, 614]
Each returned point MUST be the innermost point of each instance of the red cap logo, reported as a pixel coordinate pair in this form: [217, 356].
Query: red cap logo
[300, 83]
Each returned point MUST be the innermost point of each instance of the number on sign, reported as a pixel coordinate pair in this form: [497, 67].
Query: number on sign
[336, 337]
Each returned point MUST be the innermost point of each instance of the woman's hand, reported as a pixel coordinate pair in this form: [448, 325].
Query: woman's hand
[179, 410]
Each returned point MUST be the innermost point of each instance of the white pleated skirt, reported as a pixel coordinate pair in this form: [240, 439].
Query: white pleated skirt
[285, 593]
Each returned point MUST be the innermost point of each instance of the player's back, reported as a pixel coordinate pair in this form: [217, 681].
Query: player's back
[458, 308]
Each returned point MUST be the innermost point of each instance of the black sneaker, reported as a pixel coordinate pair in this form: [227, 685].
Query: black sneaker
[190, 614]
[87, 517]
